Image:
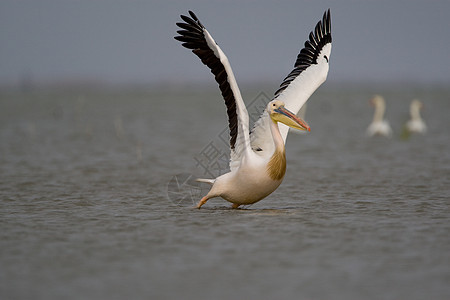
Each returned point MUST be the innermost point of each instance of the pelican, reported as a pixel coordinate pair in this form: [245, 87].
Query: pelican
[379, 126]
[416, 124]
[258, 159]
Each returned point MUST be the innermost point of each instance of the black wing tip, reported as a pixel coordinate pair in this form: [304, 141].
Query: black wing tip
[326, 20]
[193, 19]
[193, 15]
[192, 29]
[317, 39]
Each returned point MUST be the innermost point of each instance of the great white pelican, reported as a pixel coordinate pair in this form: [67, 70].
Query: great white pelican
[258, 160]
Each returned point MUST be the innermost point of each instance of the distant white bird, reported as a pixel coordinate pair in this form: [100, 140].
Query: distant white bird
[258, 160]
[379, 126]
[416, 124]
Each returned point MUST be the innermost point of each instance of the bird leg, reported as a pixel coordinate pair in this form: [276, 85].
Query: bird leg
[202, 201]
[235, 205]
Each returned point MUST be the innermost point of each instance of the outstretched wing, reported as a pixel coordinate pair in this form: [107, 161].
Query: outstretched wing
[310, 71]
[195, 36]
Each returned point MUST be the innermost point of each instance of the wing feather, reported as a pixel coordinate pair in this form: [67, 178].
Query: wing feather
[310, 71]
[194, 36]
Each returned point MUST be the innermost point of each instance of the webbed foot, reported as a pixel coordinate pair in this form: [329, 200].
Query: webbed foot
[201, 202]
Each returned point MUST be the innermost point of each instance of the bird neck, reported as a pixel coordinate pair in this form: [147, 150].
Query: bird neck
[276, 136]
[414, 112]
[379, 111]
[277, 164]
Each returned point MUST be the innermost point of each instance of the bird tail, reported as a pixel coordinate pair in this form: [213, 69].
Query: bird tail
[210, 181]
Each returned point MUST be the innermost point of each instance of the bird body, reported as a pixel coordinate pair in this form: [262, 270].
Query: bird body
[256, 177]
[250, 183]
[258, 159]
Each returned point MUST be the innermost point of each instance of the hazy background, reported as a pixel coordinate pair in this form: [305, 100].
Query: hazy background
[131, 42]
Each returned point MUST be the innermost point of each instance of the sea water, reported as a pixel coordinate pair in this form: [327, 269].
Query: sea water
[97, 196]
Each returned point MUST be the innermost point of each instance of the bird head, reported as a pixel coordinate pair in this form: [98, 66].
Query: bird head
[279, 113]
[417, 103]
[376, 100]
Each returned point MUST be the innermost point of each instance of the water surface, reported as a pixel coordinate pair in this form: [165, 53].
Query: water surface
[89, 209]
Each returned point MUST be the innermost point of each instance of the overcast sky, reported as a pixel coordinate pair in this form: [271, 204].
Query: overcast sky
[132, 41]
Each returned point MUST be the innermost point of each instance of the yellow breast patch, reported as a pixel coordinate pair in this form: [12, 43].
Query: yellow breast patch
[276, 167]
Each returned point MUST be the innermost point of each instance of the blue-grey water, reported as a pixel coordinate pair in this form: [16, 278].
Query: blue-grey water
[96, 200]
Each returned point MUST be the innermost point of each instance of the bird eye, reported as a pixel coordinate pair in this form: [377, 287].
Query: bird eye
[273, 104]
